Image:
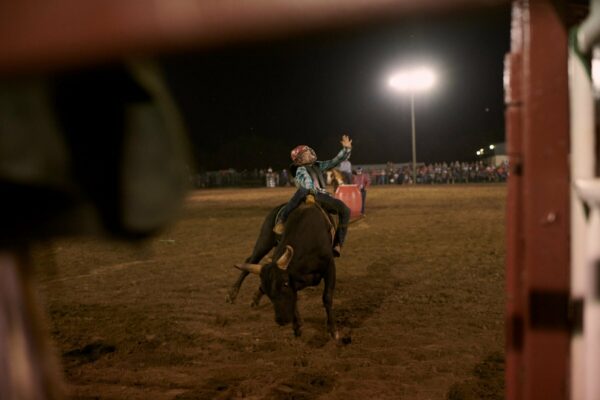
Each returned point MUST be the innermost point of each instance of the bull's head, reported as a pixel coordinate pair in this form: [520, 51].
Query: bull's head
[276, 284]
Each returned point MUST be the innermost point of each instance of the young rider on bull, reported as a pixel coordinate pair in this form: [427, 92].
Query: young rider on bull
[309, 180]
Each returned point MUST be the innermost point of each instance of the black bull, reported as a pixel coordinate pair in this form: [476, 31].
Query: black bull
[302, 258]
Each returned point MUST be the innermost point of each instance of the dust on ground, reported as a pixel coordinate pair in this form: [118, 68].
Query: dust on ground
[419, 299]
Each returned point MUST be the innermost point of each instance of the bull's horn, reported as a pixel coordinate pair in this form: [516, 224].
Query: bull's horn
[286, 257]
[254, 268]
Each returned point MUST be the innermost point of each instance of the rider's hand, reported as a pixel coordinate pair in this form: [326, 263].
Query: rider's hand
[346, 142]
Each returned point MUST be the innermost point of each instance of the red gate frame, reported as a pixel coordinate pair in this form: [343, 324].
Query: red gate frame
[537, 234]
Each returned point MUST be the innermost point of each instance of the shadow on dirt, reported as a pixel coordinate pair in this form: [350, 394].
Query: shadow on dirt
[303, 386]
[361, 296]
[357, 299]
[89, 353]
[487, 382]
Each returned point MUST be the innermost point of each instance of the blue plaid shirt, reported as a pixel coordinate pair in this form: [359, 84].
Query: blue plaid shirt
[303, 178]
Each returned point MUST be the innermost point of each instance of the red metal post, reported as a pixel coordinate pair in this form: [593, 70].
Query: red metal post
[514, 228]
[538, 204]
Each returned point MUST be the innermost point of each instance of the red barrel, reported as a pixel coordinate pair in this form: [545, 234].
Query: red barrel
[350, 195]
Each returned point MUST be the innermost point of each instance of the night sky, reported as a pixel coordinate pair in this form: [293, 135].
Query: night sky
[247, 106]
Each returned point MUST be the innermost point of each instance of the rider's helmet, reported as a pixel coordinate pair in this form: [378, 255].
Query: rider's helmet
[298, 152]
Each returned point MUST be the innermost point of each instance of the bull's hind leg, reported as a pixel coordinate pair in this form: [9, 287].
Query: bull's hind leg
[265, 242]
[329, 280]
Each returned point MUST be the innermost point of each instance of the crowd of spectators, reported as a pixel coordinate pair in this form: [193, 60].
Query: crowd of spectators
[246, 178]
[440, 173]
[437, 173]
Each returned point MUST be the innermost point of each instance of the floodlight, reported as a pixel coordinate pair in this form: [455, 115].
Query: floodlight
[413, 80]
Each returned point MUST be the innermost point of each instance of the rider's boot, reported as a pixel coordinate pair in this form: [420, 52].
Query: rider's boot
[279, 227]
[337, 250]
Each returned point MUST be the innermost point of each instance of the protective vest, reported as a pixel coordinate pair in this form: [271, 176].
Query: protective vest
[317, 176]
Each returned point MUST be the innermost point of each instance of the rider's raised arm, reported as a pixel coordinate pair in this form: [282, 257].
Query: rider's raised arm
[343, 155]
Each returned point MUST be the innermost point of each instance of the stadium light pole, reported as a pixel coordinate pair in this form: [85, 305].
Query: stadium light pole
[413, 81]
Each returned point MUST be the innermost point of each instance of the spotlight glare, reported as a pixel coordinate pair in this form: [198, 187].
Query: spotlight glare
[413, 80]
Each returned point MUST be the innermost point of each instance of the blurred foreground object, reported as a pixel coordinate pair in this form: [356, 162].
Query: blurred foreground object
[94, 151]
[28, 369]
[43, 35]
[91, 151]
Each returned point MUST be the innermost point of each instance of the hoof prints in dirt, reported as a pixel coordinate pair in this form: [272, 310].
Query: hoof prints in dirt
[216, 389]
[303, 386]
[89, 353]
[320, 340]
[365, 294]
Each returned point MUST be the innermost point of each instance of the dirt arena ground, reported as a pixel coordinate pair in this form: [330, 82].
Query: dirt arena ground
[419, 300]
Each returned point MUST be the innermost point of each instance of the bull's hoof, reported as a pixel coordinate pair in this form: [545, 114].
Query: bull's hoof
[335, 335]
[297, 332]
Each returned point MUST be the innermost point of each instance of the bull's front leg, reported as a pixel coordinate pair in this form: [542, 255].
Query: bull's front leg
[265, 242]
[328, 290]
[256, 298]
[233, 292]
[297, 322]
